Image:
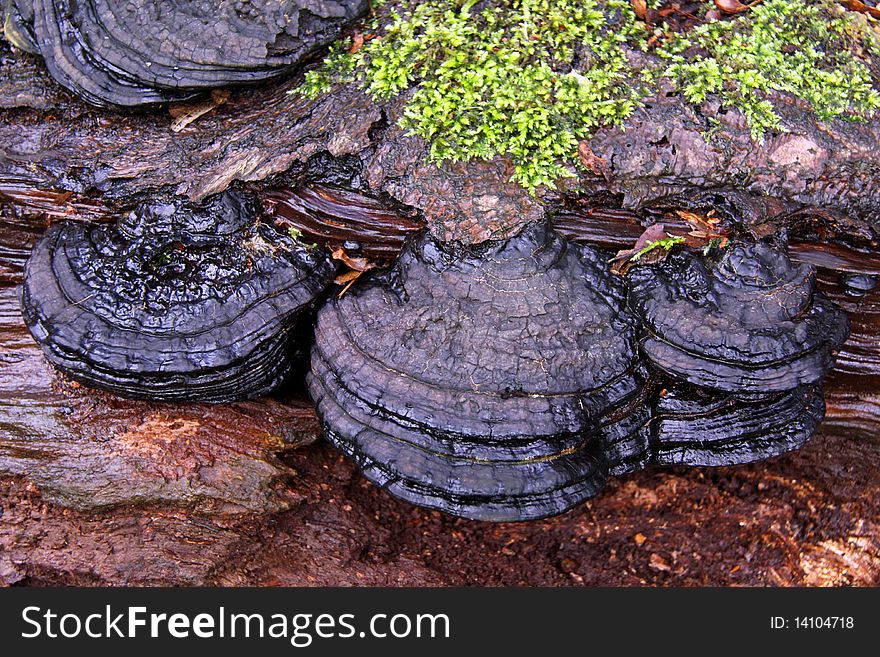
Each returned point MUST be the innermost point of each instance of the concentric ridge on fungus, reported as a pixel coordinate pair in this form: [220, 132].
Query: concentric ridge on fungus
[755, 338]
[173, 303]
[137, 52]
[752, 322]
[484, 381]
[706, 428]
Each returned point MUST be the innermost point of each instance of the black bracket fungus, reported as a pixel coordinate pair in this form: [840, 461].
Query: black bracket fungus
[506, 381]
[692, 426]
[750, 332]
[173, 303]
[751, 322]
[128, 53]
[485, 381]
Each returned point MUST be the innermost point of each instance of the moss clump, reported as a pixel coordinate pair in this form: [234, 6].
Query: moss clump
[788, 46]
[529, 79]
[664, 243]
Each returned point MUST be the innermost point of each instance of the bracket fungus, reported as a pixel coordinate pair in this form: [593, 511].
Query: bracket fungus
[497, 382]
[173, 303]
[129, 53]
[751, 322]
[707, 428]
[751, 333]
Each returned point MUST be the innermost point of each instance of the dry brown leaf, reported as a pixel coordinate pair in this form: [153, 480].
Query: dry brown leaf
[186, 113]
[735, 6]
[358, 264]
[640, 7]
[652, 233]
[623, 260]
[348, 277]
[347, 280]
[704, 229]
[697, 220]
[857, 5]
[700, 240]
[593, 162]
[653, 40]
[356, 43]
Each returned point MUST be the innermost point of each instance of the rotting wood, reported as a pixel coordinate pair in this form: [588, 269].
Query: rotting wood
[99, 491]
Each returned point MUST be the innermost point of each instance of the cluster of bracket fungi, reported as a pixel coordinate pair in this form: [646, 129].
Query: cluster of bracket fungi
[502, 381]
[173, 303]
[129, 53]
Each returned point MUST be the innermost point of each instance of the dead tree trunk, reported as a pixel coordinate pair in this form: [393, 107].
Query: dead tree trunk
[97, 490]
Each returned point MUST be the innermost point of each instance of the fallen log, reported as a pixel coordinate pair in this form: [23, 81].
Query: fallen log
[104, 491]
[97, 490]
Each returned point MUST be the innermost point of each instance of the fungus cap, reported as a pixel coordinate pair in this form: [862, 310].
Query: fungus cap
[203, 307]
[138, 52]
[479, 380]
[749, 322]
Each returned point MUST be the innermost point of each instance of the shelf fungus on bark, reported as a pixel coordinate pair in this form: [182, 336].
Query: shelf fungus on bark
[497, 382]
[693, 426]
[173, 303]
[751, 332]
[139, 52]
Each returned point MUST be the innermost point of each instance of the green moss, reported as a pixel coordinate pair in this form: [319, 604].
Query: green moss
[790, 46]
[529, 79]
[501, 81]
[665, 243]
[296, 235]
[338, 66]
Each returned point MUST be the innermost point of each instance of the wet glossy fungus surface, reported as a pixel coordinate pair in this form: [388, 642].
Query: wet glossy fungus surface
[173, 303]
[482, 381]
[127, 53]
[506, 381]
